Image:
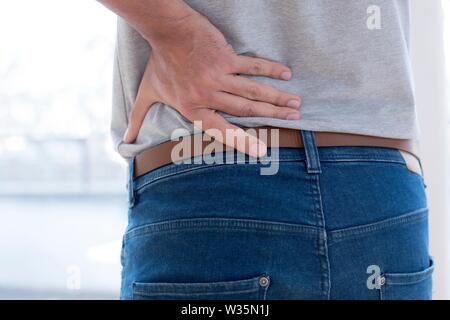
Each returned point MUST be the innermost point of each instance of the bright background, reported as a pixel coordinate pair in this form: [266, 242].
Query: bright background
[62, 187]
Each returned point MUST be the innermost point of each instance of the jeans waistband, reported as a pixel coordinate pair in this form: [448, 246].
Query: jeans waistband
[312, 155]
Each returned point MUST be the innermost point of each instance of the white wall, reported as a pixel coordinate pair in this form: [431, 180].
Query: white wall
[432, 100]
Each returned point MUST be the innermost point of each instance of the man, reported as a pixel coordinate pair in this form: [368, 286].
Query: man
[345, 215]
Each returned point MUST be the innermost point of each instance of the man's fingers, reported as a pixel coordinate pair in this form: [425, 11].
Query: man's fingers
[261, 67]
[254, 90]
[144, 100]
[242, 107]
[221, 130]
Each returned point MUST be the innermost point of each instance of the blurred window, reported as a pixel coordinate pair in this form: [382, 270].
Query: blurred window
[62, 186]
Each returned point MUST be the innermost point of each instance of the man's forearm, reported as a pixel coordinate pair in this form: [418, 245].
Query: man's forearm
[154, 19]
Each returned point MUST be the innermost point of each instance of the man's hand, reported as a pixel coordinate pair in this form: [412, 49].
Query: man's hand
[193, 69]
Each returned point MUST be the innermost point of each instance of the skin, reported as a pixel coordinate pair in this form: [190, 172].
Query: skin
[196, 71]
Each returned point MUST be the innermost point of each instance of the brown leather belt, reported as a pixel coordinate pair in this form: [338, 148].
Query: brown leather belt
[160, 155]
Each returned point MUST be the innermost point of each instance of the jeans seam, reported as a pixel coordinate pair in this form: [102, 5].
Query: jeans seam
[341, 234]
[131, 184]
[265, 289]
[220, 223]
[323, 239]
[393, 278]
[173, 171]
[393, 283]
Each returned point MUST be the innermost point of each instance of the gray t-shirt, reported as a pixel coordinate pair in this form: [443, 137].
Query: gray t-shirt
[350, 62]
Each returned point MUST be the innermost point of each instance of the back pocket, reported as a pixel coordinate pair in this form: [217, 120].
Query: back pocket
[248, 289]
[407, 286]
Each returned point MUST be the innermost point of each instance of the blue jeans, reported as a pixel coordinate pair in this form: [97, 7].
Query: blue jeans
[333, 223]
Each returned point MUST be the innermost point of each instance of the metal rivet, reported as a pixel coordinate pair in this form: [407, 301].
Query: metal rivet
[381, 281]
[263, 281]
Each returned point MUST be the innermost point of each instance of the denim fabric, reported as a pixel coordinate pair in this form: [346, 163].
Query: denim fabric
[333, 223]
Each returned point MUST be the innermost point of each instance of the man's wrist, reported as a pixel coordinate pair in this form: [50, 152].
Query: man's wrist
[158, 21]
[170, 29]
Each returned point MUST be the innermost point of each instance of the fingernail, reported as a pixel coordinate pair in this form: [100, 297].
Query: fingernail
[286, 75]
[293, 116]
[293, 104]
[258, 150]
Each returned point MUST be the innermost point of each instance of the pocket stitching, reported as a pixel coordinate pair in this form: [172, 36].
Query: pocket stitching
[365, 229]
[155, 289]
[146, 294]
[421, 276]
[424, 275]
[232, 224]
[173, 171]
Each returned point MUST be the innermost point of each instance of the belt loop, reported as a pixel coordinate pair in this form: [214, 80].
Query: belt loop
[311, 151]
[130, 184]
